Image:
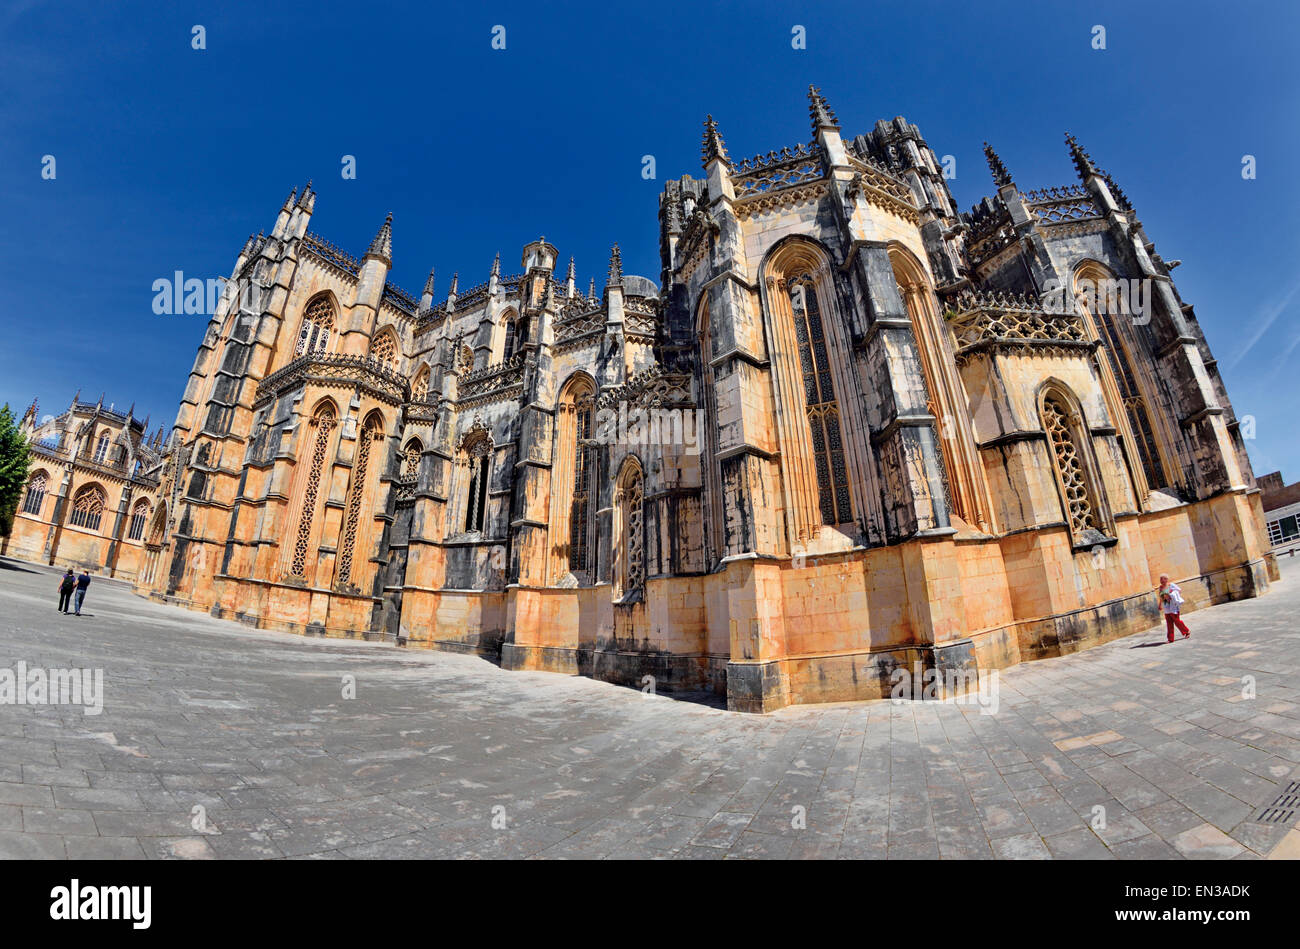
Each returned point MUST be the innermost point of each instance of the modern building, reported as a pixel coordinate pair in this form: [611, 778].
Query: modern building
[1281, 504]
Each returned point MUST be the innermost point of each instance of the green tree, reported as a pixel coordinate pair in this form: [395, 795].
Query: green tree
[15, 459]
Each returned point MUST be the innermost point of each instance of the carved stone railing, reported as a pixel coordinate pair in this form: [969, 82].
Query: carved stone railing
[401, 299]
[422, 411]
[1062, 205]
[404, 488]
[492, 379]
[329, 253]
[776, 170]
[472, 297]
[370, 374]
[108, 469]
[982, 317]
[580, 324]
[650, 388]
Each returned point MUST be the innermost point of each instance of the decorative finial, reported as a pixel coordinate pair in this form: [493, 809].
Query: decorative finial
[288, 202]
[572, 274]
[1001, 177]
[428, 284]
[496, 265]
[714, 147]
[382, 246]
[591, 289]
[615, 267]
[822, 116]
[455, 281]
[1082, 160]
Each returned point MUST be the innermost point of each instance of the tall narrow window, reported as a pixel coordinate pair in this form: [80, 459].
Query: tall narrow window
[317, 327]
[88, 508]
[478, 460]
[158, 529]
[1134, 405]
[823, 410]
[139, 515]
[322, 424]
[1099, 295]
[101, 448]
[629, 499]
[411, 459]
[35, 495]
[509, 348]
[420, 387]
[1070, 464]
[371, 433]
[580, 505]
[384, 350]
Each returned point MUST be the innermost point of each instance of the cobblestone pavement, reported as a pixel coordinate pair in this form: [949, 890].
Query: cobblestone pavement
[246, 735]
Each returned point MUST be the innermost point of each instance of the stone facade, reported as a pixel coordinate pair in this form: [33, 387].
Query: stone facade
[855, 432]
[92, 492]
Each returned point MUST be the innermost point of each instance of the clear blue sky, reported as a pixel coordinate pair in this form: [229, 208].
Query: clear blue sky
[168, 157]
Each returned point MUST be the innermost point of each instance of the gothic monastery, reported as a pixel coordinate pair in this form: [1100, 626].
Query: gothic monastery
[849, 430]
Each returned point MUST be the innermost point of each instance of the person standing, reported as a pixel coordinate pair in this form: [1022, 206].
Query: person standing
[83, 581]
[66, 586]
[1171, 604]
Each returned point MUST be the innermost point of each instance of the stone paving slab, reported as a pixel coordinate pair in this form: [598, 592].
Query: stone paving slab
[216, 741]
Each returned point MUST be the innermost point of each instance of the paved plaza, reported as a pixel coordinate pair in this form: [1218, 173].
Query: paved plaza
[219, 741]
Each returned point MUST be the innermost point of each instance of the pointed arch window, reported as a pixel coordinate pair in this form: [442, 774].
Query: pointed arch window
[35, 494]
[420, 387]
[384, 350]
[411, 459]
[1074, 467]
[822, 406]
[88, 508]
[580, 505]
[159, 527]
[317, 327]
[101, 448]
[1098, 298]
[509, 349]
[371, 433]
[322, 424]
[139, 516]
[629, 499]
[478, 462]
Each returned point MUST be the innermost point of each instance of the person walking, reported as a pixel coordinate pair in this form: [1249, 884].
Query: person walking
[1171, 604]
[66, 586]
[83, 581]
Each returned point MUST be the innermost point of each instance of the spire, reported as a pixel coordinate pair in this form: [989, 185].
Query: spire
[306, 191]
[571, 275]
[822, 116]
[591, 289]
[1001, 177]
[289, 201]
[382, 246]
[1082, 160]
[615, 267]
[428, 284]
[714, 146]
[496, 265]
[455, 282]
